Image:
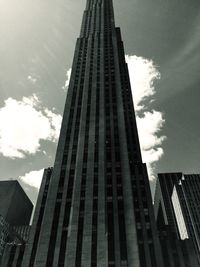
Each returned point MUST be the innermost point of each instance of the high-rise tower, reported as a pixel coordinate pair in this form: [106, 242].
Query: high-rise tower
[98, 208]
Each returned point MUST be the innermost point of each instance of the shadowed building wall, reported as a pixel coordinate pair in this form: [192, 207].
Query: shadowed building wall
[15, 206]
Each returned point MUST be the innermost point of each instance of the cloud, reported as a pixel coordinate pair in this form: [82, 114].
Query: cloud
[68, 74]
[143, 73]
[24, 123]
[55, 121]
[32, 79]
[32, 178]
[149, 124]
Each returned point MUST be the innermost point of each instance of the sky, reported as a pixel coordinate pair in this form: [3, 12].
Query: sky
[161, 40]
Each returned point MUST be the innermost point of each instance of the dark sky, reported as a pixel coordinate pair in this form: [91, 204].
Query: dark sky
[38, 39]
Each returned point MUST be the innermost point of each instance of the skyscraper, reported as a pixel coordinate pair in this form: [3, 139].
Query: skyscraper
[96, 209]
[177, 202]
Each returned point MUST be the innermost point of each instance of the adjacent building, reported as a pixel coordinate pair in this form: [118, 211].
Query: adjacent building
[15, 214]
[15, 206]
[177, 209]
[95, 208]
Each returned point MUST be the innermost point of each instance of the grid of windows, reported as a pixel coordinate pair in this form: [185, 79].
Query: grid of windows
[81, 61]
[80, 82]
[96, 159]
[114, 195]
[109, 189]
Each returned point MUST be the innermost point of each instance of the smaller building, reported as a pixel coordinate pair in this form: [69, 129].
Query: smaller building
[15, 214]
[177, 212]
[15, 206]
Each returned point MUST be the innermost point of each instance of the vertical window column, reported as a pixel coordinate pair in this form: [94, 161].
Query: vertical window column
[84, 171]
[96, 161]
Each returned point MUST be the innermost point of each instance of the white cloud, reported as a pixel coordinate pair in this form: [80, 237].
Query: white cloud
[68, 74]
[33, 178]
[55, 120]
[32, 79]
[24, 123]
[143, 73]
[149, 125]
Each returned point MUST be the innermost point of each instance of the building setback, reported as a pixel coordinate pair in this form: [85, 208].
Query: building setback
[176, 205]
[36, 227]
[96, 207]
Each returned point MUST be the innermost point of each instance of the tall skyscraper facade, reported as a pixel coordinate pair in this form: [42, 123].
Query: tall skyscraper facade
[95, 209]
